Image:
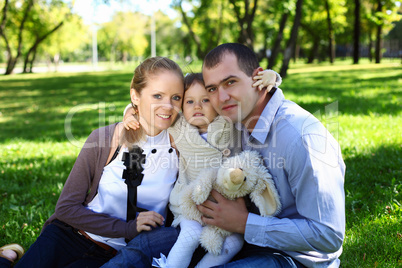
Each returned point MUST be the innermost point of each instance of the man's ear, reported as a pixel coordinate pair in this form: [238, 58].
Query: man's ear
[134, 96]
[255, 72]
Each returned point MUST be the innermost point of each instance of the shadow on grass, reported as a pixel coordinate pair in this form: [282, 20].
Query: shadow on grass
[38, 109]
[373, 208]
[358, 91]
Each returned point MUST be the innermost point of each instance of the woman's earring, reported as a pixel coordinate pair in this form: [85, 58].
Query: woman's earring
[134, 108]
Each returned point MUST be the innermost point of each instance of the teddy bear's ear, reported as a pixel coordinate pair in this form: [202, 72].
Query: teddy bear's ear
[266, 197]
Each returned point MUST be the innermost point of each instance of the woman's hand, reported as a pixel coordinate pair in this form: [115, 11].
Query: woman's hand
[148, 220]
[129, 121]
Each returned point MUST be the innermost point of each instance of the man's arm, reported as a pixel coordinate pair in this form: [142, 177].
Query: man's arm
[317, 224]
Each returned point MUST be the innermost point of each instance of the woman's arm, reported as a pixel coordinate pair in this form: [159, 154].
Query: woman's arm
[81, 186]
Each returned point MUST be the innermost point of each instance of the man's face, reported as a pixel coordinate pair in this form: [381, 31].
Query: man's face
[230, 90]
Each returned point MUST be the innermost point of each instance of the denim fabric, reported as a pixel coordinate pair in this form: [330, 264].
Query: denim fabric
[140, 251]
[60, 246]
[252, 256]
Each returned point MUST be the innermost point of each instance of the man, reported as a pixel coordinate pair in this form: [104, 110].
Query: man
[303, 158]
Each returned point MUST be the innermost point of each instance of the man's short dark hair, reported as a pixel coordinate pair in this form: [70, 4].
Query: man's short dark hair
[246, 58]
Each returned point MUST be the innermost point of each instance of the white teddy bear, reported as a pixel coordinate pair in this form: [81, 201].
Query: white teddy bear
[238, 176]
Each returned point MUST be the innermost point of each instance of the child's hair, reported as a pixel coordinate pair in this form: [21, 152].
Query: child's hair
[143, 72]
[192, 78]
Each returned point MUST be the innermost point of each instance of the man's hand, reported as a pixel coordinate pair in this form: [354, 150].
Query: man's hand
[226, 214]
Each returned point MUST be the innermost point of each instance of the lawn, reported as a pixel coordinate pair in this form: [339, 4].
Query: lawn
[45, 118]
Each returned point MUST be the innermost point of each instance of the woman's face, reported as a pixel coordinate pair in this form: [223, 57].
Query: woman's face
[159, 102]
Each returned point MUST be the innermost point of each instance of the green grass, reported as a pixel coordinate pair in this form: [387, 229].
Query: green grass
[360, 105]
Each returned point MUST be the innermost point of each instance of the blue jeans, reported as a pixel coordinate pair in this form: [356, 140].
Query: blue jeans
[60, 246]
[140, 251]
[253, 256]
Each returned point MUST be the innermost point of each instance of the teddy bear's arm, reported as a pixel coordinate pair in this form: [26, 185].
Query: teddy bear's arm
[203, 185]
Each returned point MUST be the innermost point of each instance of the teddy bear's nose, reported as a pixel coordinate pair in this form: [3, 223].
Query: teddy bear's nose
[237, 176]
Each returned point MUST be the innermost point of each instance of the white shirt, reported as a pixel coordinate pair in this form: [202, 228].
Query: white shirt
[160, 171]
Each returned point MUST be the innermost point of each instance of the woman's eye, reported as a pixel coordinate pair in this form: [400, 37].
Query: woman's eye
[176, 98]
[157, 96]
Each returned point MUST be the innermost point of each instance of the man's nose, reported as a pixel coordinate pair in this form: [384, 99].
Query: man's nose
[223, 95]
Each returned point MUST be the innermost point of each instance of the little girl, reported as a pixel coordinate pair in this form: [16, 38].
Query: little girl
[203, 139]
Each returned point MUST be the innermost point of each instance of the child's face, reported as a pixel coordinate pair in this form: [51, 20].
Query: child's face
[197, 109]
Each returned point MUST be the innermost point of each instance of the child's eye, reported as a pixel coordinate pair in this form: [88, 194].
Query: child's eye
[205, 100]
[190, 102]
[176, 98]
[157, 96]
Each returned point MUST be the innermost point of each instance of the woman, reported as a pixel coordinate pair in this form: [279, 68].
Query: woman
[92, 217]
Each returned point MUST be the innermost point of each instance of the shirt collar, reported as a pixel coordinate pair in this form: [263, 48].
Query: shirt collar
[261, 129]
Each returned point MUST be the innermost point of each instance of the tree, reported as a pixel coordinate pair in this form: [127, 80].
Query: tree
[276, 47]
[124, 36]
[245, 21]
[205, 23]
[378, 44]
[291, 44]
[331, 37]
[356, 33]
[12, 60]
[45, 18]
[382, 16]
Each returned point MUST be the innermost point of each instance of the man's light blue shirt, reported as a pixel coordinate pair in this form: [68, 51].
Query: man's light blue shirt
[307, 167]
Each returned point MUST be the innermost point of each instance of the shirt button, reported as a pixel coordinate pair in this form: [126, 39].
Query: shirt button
[226, 152]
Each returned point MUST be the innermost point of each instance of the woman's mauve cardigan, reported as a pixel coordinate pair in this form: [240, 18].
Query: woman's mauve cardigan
[81, 187]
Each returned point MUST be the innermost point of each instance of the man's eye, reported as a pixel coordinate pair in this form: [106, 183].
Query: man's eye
[176, 98]
[157, 96]
[211, 89]
[231, 82]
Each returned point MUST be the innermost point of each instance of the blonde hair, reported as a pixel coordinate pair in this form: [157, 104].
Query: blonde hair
[142, 74]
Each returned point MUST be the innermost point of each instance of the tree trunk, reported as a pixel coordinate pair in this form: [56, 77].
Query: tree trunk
[2, 34]
[278, 40]
[246, 34]
[32, 61]
[12, 61]
[378, 43]
[370, 48]
[196, 39]
[313, 51]
[356, 34]
[331, 37]
[290, 47]
[39, 39]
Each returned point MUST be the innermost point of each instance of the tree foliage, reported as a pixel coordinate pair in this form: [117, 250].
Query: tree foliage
[276, 30]
[27, 24]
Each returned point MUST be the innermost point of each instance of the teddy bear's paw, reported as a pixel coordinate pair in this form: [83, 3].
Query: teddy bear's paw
[199, 195]
[211, 240]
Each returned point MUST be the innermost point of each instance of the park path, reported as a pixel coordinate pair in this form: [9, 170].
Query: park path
[60, 69]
